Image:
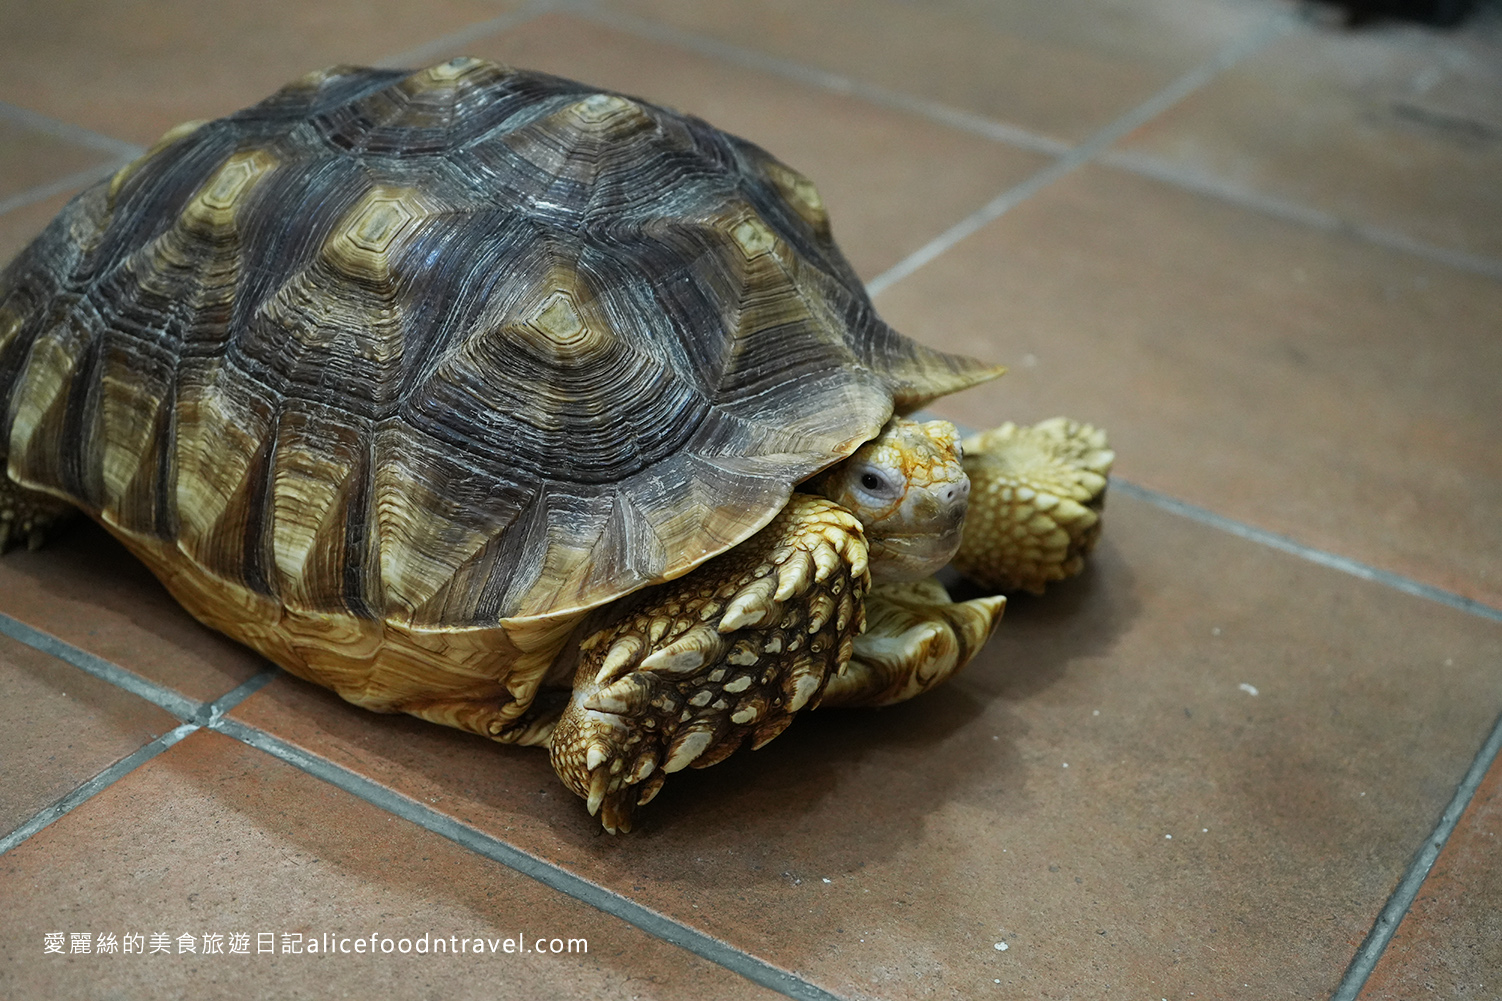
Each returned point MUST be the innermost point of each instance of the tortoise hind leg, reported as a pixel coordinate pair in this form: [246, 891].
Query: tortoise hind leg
[27, 515]
[916, 638]
[730, 653]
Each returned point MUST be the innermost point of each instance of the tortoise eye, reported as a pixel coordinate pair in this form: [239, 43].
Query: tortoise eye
[871, 481]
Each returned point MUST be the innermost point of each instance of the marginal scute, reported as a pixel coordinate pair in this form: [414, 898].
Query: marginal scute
[799, 192]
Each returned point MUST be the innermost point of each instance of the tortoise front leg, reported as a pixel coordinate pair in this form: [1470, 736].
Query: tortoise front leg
[1036, 495]
[915, 639]
[728, 653]
[27, 514]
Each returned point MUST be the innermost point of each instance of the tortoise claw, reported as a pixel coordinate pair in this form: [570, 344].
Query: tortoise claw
[730, 653]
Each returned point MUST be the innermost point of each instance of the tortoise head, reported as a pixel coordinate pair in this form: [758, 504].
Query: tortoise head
[909, 491]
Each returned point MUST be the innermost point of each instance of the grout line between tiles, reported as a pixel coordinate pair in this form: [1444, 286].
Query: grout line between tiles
[1283, 543]
[68, 182]
[652, 922]
[94, 786]
[1145, 165]
[1365, 960]
[224, 703]
[1016, 136]
[210, 715]
[423, 54]
[124, 151]
[835, 83]
[59, 129]
[193, 713]
[1188, 83]
[159, 695]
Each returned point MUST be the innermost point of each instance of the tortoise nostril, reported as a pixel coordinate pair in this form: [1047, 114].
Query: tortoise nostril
[957, 492]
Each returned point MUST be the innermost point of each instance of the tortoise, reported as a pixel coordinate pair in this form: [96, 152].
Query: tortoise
[525, 407]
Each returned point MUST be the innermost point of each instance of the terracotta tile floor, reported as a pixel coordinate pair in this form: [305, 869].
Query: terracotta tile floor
[1250, 754]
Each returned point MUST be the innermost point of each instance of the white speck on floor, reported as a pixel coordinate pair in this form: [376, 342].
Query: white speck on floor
[829, 881]
[1095, 712]
[1204, 830]
[1168, 837]
[1215, 631]
[1002, 947]
[1249, 689]
[1066, 764]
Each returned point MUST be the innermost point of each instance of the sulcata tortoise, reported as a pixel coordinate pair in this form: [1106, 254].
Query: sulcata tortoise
[523, 407]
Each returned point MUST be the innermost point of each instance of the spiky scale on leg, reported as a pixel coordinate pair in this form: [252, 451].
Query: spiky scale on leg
[27, 515]
[915, 639]
[661, 686]
[1035, 503]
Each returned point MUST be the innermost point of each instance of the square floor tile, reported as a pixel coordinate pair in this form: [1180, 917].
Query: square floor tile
[1061, 69]
[214, 838]
[85, 589]
[891, 181]
[1396, 126]
[1254, 745]
[30, 159]
[60, 727]
[1309, 383]
[132, 70]
[1449, 945]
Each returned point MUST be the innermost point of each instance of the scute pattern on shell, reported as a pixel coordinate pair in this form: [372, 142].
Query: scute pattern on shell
[445, 348]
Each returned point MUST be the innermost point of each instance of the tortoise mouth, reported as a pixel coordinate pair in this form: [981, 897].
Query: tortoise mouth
[907, 556]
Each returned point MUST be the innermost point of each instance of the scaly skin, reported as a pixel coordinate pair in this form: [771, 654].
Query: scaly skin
[26, 514]
[728, 653]
[690, 670]
[1035, 504]
[916, 638]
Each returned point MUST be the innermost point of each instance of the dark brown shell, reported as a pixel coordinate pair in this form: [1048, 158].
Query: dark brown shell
[445, 347]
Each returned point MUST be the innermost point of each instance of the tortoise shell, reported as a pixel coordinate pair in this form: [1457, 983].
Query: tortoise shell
[443, 348]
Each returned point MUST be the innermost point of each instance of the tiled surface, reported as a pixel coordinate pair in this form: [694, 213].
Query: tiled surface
[133, 70]
[60, 727]
[29, 158]
[213, 837]
[952, 823]
[1304, 381]
[85, 589]
[1396, 127]
[1062, 70]
[1450, 944]
[1314, 384]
